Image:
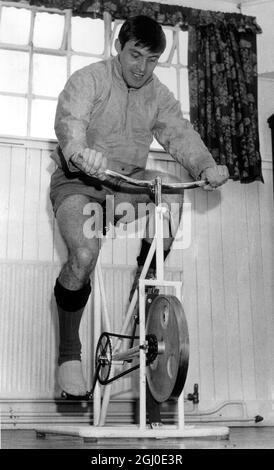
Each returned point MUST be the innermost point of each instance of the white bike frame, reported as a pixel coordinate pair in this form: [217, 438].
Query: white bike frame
[100, 403]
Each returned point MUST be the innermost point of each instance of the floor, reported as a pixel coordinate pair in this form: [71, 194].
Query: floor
[239, 438]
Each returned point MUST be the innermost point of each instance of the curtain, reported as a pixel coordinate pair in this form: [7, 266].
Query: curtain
[223, 96]
[222, 74]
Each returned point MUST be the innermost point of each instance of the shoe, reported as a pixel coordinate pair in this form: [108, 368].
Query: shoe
[71, 380]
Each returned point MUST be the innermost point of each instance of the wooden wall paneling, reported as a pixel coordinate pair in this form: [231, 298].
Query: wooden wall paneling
[28, 349]
[244, 295]
[49, 350]
[16, 204]
[217, 288]
[205, 322]
[229, 227]
[267, 229]
[259, 320]
[119, 255]
[227, 273]
[32, 204]
[133, 247]
[45, 229]
[5, 323]
[190, 299]
[5, 174]
[106, 251]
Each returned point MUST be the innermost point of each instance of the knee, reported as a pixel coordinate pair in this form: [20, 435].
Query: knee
[85, 257]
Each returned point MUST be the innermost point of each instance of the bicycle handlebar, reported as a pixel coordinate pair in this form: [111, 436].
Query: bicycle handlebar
[151, 183]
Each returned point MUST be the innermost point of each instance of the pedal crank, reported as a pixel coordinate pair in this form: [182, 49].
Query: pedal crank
[166, 346]
[105, 359]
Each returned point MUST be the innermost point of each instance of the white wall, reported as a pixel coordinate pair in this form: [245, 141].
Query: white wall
[264, 14]
[227, 273]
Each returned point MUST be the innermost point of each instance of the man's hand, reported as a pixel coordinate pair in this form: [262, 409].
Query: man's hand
[91, 162]
[215, 176]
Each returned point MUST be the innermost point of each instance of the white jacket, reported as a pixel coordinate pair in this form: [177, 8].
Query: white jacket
[97, 110]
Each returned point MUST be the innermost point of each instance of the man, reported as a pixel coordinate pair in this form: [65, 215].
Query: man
[106, 118]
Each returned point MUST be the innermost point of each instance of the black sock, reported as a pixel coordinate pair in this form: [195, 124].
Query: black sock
[70, 306]
[145, 247]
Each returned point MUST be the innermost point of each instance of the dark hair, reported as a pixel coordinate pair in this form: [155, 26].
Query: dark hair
[147, 33]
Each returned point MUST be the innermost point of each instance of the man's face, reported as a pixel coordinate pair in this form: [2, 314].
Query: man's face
[137, 63]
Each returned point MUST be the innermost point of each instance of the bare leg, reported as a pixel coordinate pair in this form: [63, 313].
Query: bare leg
[82, 252]
[72, 290]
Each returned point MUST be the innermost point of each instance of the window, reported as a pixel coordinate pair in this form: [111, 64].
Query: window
[37, 64]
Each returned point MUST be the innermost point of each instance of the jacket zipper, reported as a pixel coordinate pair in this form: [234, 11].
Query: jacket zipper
[126, 110]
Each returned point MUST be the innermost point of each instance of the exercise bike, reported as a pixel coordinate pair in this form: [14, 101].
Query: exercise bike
[162, 344]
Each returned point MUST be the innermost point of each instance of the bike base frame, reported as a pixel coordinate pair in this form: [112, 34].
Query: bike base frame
[134, 432]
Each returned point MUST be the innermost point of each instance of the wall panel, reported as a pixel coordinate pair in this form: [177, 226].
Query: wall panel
[227, 274]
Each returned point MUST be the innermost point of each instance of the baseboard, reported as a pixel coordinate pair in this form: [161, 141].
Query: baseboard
[28, 413]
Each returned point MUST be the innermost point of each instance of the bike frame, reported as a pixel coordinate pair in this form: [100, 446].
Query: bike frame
[100, 408]
[101, 402]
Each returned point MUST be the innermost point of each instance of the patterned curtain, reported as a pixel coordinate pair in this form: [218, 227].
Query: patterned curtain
[223, 95]
[222, 74]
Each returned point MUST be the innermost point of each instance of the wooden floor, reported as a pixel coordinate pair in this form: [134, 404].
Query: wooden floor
[239, 438]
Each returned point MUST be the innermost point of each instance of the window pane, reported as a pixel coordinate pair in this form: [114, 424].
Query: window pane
[183, 46]
[13, 116]
[184, 90]
[78, 62]
[48, 30]
[169, 43]
[15, 25]
[42, 119]
[167, 75]
[14, 68]
[87, 35]
[49, 74]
